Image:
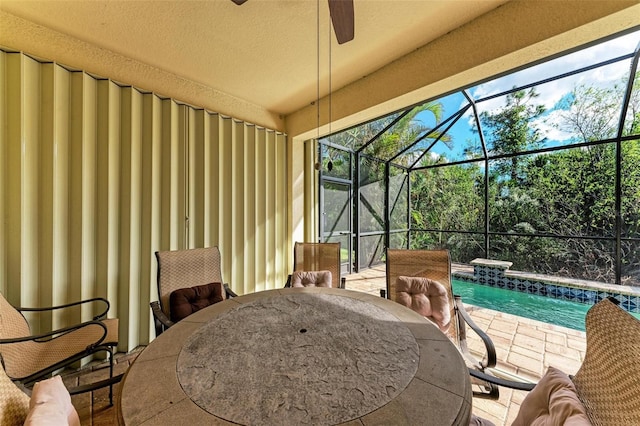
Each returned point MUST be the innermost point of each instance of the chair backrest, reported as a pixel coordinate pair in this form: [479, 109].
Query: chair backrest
[186, 268]
[608, 381]
[14, 403]
[432, 264]
[318, 257]
[12, 323]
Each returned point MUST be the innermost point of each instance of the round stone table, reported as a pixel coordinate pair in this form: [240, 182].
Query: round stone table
[312, 356]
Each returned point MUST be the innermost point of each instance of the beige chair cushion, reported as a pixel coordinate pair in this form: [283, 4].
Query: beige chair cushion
[553, 401]
[311, 279]
[427, 297]
[51, 405]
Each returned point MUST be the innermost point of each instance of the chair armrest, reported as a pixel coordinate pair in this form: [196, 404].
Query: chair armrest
[67, 305]
[95, 385]
[160, 317]
[227, 289]
[491, 358]
[512, 384]
[60, 332]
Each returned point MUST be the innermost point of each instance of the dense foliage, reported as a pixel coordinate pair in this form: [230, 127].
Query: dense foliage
[549, 212]
[552, 187]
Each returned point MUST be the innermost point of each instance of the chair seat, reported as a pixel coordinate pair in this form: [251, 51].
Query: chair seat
[22, 359]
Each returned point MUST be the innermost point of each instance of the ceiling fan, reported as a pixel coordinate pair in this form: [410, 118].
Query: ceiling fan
[342, 18]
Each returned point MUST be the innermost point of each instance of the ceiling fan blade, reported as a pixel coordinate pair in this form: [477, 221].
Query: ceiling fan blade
[238, 2]
[341, 12]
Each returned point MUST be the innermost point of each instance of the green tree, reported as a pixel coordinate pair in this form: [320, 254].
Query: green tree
[593, 113]
[447, 198]
[510, 130]
[578, 185]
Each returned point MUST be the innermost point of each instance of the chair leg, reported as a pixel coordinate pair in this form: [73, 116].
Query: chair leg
[490, 391]
[111, 376]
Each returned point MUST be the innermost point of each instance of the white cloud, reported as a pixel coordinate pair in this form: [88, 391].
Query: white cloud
[548, 126]
[551, 92]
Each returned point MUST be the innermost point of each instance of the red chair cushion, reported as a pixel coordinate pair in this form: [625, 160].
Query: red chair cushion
[185, 301]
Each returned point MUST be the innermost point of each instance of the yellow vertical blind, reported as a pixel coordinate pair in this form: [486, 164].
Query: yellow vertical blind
[96, 176]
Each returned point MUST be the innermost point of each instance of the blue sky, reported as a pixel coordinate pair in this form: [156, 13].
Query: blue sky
[549, 93]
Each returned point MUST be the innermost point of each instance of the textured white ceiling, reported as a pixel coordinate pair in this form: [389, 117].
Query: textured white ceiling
[271, 53]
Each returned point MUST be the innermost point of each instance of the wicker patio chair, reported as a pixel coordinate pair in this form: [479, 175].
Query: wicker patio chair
[49, 403]
[180, 270]
[14, 402]
[606, 388]
[411, 272]
[28, 358]
[608, 381]
[318, 257]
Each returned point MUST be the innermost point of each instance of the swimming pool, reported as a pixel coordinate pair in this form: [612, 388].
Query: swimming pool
[540, 308]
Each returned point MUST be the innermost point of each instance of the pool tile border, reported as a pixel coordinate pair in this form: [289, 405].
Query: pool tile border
[494, 273]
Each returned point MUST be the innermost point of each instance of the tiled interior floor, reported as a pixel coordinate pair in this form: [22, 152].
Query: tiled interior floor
[524, 347]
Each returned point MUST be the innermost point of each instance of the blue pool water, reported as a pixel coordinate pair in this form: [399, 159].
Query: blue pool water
[540, 308]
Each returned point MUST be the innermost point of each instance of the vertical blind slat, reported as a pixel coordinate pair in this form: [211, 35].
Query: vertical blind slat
[260, 185]
[225, 201]
[60, 222]
[29, 191]
[88, 189]
[76, 226]
[47, 191]
[3, 147]
[196, 165]
[12, 177]
[249, 255]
